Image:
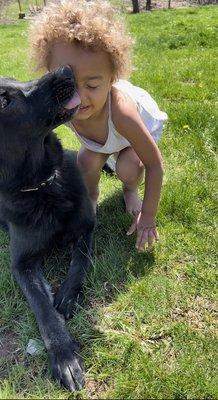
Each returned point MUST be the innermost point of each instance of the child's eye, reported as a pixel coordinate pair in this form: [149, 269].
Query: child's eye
[92, 87]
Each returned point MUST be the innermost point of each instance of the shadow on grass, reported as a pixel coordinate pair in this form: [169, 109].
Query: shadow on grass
[111, 239]
[114, 264]
[115, 258]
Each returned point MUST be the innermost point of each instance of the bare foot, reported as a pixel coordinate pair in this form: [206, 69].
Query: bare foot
[132, 202]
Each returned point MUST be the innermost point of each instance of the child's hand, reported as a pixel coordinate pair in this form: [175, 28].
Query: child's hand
[146, 231]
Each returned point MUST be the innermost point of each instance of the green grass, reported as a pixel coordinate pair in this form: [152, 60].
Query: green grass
[147, 329]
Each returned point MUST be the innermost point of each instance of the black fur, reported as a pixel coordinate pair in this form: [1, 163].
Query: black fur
[58, 209]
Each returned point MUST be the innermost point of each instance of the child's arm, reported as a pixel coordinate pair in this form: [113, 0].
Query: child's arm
[130, 125]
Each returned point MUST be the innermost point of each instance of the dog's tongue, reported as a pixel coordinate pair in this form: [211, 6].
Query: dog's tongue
[75, 101]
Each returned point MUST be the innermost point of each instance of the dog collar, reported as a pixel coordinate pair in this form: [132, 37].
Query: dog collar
[43, 184]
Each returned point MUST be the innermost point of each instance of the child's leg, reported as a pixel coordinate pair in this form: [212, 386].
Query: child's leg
[91, 163]
[130, 170]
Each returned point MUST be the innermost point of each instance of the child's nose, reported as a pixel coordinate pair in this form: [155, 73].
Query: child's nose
[82, 92]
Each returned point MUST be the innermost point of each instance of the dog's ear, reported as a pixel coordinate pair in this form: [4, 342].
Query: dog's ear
[26, 87]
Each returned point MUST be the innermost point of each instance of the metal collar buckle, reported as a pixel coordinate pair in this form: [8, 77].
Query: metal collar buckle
[43, 184]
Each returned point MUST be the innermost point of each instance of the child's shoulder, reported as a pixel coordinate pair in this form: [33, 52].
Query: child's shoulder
[124, 112]
[121, 103]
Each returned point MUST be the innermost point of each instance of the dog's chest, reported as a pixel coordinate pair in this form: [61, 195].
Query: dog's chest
[47, 213]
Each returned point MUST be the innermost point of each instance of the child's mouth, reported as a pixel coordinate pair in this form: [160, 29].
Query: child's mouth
[83, 108]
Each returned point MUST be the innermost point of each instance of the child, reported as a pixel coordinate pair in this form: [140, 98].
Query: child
[114, 117]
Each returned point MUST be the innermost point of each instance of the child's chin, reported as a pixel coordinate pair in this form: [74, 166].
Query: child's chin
[82, 116]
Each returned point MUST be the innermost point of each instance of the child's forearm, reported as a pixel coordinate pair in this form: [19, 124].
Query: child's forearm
[153, 184]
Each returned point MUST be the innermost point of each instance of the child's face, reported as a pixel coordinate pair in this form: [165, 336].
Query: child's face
[92, 72]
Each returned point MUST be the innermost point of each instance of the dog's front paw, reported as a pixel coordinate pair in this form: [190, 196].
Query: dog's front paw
[67, 366]
[65, 301]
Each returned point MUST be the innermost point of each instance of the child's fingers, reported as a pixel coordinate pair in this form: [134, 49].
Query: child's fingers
[146, 236]
[151, 237]
[156, 235]
[132, 228]
[142, 238]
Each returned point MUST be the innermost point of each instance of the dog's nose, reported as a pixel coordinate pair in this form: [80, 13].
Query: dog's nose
[65, 71]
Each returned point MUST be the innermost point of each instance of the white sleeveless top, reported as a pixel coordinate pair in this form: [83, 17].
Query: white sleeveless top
[148, 109]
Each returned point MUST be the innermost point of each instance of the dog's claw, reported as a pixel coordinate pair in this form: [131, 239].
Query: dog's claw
[67, 367]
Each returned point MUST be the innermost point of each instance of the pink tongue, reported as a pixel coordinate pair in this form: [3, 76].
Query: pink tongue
[75, 101]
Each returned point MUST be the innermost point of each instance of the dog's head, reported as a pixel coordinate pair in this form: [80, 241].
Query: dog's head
[28, 112]
[36, 107]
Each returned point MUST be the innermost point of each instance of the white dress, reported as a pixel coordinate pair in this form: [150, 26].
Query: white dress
[152, 117]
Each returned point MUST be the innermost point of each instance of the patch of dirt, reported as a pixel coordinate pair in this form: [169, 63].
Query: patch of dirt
[3, 5]
[201, 314]
[9, 351]
[95, 389]
[173, 4]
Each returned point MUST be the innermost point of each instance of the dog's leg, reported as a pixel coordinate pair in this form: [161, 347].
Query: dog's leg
[66, 297]
[65, 362]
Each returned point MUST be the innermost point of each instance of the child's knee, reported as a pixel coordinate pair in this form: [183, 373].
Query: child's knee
[129, 167]
[88, 161]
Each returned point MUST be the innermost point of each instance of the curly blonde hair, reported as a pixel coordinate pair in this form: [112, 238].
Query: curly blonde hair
[90, 24]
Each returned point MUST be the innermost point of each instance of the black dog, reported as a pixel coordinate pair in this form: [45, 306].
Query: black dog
[43, 198]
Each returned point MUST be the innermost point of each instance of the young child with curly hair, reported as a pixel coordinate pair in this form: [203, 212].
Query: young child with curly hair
[114, 116]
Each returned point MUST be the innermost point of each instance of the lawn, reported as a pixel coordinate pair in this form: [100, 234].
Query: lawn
[147, 328]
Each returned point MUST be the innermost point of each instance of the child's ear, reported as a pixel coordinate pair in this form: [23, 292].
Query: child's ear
[47, 67]
[112, 80]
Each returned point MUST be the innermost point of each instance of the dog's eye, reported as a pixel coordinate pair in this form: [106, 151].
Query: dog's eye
[4, 100]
